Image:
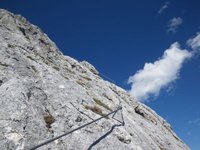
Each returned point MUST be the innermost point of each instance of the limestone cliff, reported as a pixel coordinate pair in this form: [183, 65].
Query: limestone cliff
[44, 94]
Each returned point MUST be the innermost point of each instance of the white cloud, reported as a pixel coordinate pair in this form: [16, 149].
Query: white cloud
[174, 23]
[155, 76]
[165, 6]
[194, 42]
[195, 122]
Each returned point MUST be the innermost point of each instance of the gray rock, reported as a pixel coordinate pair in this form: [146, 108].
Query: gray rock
[45, 94]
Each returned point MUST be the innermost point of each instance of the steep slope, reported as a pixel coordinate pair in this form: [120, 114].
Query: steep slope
[44, 94]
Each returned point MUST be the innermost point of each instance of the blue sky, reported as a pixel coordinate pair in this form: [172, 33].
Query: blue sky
[119, 37]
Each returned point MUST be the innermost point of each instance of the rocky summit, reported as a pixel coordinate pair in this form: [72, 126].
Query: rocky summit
[44, 94]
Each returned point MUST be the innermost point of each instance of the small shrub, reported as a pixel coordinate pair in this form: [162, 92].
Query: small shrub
[49, 119]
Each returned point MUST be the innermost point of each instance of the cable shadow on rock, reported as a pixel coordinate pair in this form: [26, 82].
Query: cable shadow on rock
[122, 123]
[103, 136]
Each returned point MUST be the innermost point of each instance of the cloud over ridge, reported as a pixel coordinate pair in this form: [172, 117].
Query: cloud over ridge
[155, 76]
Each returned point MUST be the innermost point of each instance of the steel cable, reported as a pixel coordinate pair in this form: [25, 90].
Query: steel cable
[60, 136]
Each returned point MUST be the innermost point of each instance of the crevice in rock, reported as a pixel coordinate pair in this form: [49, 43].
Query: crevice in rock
[4, 64]
[26, 122]
[1, 82]
[88, 131]
[28, 94]
[22, 30]
[138, 111]
[142, 112]
[124, 140]
[43, 41]
[15, 59]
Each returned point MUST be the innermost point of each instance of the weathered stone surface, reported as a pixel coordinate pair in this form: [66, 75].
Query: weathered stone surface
[44, 94]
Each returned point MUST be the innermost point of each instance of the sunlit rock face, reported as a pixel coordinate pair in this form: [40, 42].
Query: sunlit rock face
[44, 94]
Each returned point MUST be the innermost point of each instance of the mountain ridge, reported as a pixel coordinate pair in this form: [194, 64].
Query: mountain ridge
[45, 94]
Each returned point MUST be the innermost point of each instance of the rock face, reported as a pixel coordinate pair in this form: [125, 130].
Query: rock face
[44, 94]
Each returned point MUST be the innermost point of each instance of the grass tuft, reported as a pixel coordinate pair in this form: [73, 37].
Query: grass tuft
[86, 78]
[56, 68]
[49, 119]
[97, 101]
[96, 110]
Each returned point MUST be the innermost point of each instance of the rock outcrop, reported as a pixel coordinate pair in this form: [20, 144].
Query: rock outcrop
[44, 94]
